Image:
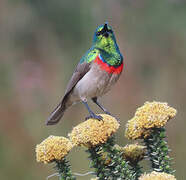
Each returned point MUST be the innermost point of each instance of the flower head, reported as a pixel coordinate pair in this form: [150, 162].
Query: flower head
[154, 114]
[150, 115]
[53, 148]
[134, 130]
[157, 176]
[93, 132]
[133, 153]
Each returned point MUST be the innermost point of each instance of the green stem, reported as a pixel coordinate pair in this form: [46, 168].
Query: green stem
[97, 163]
[158, 151]
[64, 170]
[138, 171]
[119, 168]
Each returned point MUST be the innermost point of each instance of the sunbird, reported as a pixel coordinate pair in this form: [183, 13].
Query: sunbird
[97, 71]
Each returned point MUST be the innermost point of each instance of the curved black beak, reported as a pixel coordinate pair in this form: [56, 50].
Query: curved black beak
[105, 31]
[105, 28]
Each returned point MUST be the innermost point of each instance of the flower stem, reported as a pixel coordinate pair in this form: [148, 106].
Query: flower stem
[158, 151]
[138, 171]
[64, 170]
[101, 170]
[119, 168]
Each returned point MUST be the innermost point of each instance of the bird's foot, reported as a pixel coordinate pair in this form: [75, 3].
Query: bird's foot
[94, 116]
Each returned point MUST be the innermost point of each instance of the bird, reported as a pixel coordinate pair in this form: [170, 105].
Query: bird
[98, 70]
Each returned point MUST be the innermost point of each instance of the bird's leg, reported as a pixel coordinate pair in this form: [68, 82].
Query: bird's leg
[95, 100]
[92, 114]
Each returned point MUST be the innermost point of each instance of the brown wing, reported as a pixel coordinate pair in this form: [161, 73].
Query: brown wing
[58, 112]
[79, 72]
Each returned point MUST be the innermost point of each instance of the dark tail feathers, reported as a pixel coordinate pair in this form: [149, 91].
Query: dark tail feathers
[56, 115]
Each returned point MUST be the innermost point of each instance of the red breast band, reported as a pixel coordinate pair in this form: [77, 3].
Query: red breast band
[110, 69]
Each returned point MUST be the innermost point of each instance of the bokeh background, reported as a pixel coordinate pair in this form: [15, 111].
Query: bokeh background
[40, 44]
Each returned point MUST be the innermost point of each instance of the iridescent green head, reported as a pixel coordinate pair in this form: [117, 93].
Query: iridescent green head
[104, 36]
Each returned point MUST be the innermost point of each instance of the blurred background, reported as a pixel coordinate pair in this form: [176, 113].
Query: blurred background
[40, 44]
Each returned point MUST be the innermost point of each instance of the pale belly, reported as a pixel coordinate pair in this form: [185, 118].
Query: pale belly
[94, 84]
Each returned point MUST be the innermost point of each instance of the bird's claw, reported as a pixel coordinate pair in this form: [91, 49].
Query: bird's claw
[94, 116]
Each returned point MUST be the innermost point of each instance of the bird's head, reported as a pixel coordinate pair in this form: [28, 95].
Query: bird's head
[104, 36]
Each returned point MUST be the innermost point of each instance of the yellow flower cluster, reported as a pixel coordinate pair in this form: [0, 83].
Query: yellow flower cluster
[150, 115]
[53, 148]
[157, 176]
[133, 153]
[93, 132]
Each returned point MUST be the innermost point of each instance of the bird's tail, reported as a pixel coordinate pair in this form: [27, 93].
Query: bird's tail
[56, 115]
[58, 112]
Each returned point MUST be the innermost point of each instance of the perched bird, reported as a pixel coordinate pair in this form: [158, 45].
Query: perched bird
[96, 73]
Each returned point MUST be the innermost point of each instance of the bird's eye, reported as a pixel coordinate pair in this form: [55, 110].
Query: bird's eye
[98, 33]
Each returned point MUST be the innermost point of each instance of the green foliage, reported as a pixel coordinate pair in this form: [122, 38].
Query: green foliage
[137, 169]
[96, 162]
[117, 168]
[63, 168]
[158, 151]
